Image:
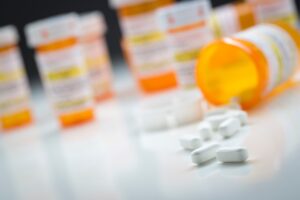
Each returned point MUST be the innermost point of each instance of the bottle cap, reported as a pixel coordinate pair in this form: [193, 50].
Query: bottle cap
[8, 35]
[55, 28]
[92, 23]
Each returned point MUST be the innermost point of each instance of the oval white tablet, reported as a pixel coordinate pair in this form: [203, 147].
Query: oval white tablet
[216, 120]
[232, 154]
[205, 130]
[204, 154]
[190, 142]
[229, 127]
[241, 115]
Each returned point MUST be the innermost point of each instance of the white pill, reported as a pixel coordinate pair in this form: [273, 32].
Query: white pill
[229, 127]
[241, 115]
[216, 120]
[232, 154]
[205, 130]
[190, 142]
[204, 154]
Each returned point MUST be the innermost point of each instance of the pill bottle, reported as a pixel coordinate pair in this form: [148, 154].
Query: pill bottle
[249, 65]
[92, 39]
[144, 45]
[14, 89]
[232, 18]
[62, 68]
[275, 10]
[186, 27]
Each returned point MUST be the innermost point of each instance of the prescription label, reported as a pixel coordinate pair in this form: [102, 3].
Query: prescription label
[98, 66]
[284, 10]
[279, 50]
[14, 90]
[65, 79]
[187, 30]
[224, 21]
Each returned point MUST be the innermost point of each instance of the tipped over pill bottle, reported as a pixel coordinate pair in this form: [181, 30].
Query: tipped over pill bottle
[275, 10]
[92, 39]
[144, 45]
[232, 18]
[186, 27]
[62, 67]
[14, 89]
[249, 65]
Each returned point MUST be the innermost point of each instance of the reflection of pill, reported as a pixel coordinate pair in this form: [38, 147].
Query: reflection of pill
[205, 130]
[241, 115]
[232, 154]
[229, 127]
[216, 120]
[190, 142]
[204, 154]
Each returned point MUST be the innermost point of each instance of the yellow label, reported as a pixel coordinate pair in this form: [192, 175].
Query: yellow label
[71, 103]
[153, 66]
[96, 62]
[12, 102]
[71, 72]
[11, 76]
[142, 39]
[187, 55]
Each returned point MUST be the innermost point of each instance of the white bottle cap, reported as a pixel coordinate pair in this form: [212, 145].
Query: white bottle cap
[121, 3]
[92, 23]
[8, 35]
[172, 111]
[182, 14]
[55, 28]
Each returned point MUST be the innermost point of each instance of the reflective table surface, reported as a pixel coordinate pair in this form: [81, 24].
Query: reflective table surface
[110, 158]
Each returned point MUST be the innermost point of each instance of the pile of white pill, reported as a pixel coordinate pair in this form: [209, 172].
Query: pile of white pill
[224, 122]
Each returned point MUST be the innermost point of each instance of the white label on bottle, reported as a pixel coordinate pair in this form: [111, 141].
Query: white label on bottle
[65, 79]
[145, 45]
[225, 21]
[187, 30]
[284, 10]
[278, 48]
[14, 90]
[98, 66]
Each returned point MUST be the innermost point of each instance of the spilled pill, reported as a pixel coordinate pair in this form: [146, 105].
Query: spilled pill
[205, 130]
[204, 154]
[241, 115]
[216, 111]
[229, 127]
[216, 120]
[190, 142]
[232, 154]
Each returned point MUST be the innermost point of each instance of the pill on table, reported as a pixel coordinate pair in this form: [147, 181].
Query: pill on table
[190, 142]
[205, 130]
[204, 154]
[229, 127]
[232, 154]
[216, 120]
[241, 115]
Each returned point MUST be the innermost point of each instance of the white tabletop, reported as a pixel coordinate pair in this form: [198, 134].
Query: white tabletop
[110, 159]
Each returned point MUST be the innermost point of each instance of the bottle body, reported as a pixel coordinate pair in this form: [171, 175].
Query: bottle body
[65, 80]
[232, 18]
[15, 106]
[96, 55]
[258, 61]
[186, 28]
[145, 47]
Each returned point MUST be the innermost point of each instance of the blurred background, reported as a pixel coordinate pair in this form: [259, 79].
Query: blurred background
[20, 13]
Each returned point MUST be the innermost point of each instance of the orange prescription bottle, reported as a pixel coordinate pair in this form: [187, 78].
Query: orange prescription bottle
[62, 67]
[14, 90]
[187, 30]
[98, 63]
[275, 10]
[144, 44]
[249, 65]
[232, 18]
